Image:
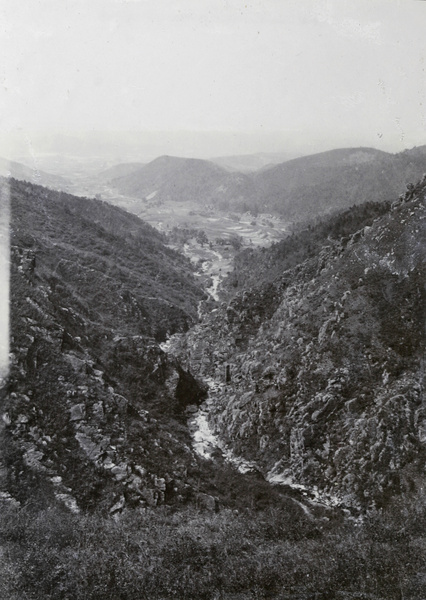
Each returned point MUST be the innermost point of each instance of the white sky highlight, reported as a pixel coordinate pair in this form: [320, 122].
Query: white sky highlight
[345, 72]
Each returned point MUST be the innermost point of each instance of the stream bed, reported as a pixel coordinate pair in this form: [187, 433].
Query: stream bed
[207, 444]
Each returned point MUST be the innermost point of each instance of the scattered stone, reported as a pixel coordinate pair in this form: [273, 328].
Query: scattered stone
[22, 419]
[69, 501]
[32, 459]
[140, 470]
[118, 506]
[6, 418]
[77, 412]
[119, 471]
[98, 411]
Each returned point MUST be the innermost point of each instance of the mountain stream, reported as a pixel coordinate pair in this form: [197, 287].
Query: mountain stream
[207, 444]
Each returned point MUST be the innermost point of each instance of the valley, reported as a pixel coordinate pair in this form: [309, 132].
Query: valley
[212, 300]
[226, 232]
[211, 399]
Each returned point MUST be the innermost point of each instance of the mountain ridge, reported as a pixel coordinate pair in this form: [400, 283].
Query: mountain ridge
[297, 189]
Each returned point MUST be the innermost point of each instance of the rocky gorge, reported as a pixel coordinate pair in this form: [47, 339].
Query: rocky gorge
[321, 368]
[263, 438]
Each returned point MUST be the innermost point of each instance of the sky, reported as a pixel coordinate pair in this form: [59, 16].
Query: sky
[213, 76]
[138, 78]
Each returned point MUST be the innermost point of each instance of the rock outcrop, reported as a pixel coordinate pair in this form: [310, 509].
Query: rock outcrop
[324, 385]
[93, 409]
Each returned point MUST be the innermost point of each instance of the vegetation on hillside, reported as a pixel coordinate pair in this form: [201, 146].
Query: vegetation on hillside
[162, 554]
[103, 497]
[252, 267]
[326, 359]
[93, 406]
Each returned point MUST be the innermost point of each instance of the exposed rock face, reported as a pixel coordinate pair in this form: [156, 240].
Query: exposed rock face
[93, 408]
[326, 363]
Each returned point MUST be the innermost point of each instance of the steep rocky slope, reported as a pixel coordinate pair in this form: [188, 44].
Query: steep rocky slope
[93, 408]
[322, 367]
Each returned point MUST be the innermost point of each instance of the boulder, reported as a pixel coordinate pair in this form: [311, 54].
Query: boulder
[77, 412]
[207, 502]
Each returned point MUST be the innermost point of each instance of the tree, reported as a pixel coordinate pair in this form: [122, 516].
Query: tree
[236, 242]
[202, 237]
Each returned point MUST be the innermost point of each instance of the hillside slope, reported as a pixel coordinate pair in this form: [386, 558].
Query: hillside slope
[322, 183]
[119, 170]
[9, 168]
[248, 163]
[251, 267]
[297, 190]
[93, 408]
[325, 363]
[185, 179]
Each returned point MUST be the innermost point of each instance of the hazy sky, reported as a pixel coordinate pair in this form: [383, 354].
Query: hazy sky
[326, 72]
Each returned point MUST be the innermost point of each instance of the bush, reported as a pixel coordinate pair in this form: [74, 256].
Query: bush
[161, 554]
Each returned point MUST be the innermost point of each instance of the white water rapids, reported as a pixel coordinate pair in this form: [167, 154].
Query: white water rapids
[207, 443]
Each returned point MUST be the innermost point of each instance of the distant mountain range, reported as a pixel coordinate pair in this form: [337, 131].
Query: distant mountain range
[334, 180]
[298, 189]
